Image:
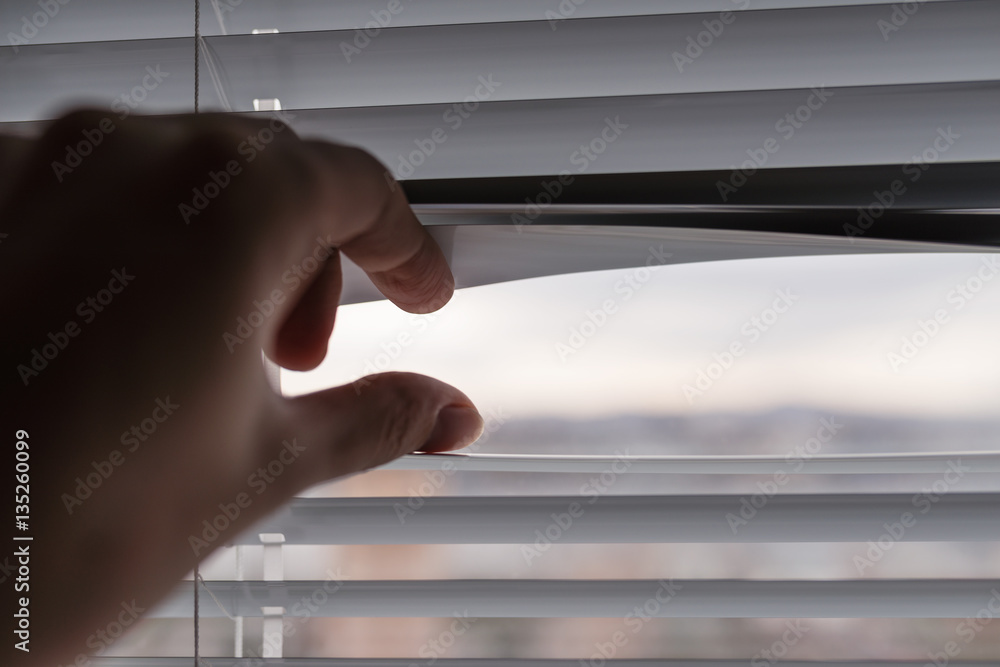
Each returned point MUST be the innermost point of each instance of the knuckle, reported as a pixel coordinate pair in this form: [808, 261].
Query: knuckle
[210, 145]
[362, 159]
[247, 178]
[357, 160]
[266, 150]
[72, 123]
[72, 129]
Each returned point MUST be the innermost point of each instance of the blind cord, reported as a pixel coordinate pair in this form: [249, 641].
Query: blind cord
[197, 49]
[219, 604]
[197, 576]
[197, 59]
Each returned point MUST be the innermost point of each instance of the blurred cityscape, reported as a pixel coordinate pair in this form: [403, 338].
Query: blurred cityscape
[779, 432]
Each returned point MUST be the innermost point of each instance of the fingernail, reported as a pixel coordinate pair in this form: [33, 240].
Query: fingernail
[455, 428]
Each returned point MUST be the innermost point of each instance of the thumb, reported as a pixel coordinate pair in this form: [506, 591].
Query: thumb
[373, 421]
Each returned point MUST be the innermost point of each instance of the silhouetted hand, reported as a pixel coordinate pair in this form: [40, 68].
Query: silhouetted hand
[147, 263]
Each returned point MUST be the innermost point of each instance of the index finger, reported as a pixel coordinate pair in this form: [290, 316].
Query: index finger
[362, 210]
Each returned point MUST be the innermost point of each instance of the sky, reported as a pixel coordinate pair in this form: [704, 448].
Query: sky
[822, 332]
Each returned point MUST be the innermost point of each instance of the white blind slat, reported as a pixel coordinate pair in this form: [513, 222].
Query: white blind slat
[835, 464]
[846, 517]
[549, 598]
[104, 20]
[497, 251]
[500, 662]
[833, 47]
[887, 125]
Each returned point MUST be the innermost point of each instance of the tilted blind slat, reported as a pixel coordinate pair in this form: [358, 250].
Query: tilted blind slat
[100, 20]
[838, 464]
[548, 598]
[633, 519]
[500, 662]
[665, 133]
[833, 47]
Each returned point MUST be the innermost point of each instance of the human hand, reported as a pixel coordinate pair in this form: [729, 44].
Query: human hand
[126, 275]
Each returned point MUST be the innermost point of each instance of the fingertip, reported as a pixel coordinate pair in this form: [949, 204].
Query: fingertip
[422, 284]
[302, 340]
[300, 349]
[425, 305]
[456, 426]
